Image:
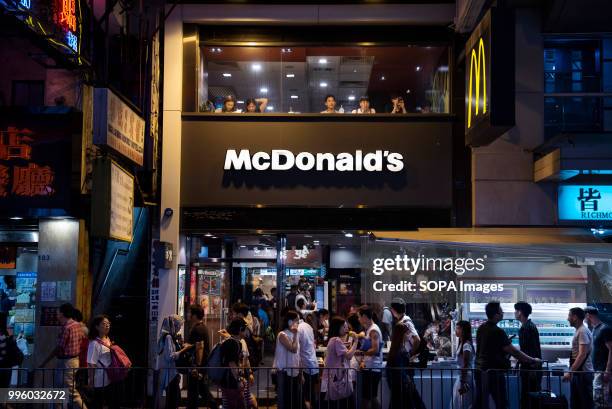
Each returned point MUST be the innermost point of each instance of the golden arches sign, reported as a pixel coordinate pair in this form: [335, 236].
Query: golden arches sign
[477, 61]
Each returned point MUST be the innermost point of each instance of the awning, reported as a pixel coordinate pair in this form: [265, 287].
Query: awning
[577, 241]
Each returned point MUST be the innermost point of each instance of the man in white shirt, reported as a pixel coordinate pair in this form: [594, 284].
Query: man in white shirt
[308, 362]
[581, 384]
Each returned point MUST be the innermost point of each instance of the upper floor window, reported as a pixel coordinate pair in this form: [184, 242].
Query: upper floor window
[320, 79]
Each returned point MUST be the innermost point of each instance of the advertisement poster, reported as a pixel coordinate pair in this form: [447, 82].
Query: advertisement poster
[64, 290]
[48, 317]
[48, 291]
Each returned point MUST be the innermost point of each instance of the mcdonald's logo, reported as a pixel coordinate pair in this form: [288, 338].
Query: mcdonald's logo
[478, 74]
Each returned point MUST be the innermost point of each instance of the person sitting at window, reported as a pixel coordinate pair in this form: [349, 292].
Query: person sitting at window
[399, 107]
[364, 107]
[251, 105]
[229, 105]
[330, 105]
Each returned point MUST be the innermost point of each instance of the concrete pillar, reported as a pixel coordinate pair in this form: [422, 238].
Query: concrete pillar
[503, 191]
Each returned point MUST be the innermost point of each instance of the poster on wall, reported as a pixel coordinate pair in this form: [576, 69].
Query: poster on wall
[48, 290]
[118, 125]
[64, 290]
[112, 201]
[8, 257]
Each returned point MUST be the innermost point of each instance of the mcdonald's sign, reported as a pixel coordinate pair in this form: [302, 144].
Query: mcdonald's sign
[489, 81]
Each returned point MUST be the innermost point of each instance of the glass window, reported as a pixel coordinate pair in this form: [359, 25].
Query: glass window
[406, 79]
[572, 65]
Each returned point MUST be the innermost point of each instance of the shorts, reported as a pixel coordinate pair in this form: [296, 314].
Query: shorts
[370, 383]
[309, 388]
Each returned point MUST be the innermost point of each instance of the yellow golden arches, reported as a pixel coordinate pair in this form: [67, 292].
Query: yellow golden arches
[475, 65]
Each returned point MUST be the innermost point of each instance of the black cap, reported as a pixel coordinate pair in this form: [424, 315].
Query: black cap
[364, 98]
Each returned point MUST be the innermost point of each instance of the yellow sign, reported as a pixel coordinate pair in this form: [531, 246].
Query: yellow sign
[477, 60]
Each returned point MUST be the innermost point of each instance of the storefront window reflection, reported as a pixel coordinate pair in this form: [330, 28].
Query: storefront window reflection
[358, 80]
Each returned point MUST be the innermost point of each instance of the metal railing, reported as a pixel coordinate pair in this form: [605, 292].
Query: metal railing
[327, 388]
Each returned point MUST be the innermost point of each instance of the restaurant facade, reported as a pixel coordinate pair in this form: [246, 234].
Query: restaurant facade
[272, 177]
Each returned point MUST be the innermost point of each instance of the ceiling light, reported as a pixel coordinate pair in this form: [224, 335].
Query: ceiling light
[208, 235]
[243, 246]
[294, 97]
[322, 60]
[240, 101]
[323, 84]
[418, 68]
[316, 242]
[407, 91]
[286, 50]
[263, 90]
[382, 78]
[256, 67]
[227, 75]
[348, 235]
[270, 108]
[16, 218]
[290, 75]
[351, 97]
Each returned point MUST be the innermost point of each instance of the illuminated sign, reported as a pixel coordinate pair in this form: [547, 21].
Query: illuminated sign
[35, 164]
[585, 202]
[489, 78]
[117, 125]
[18, 175]
[478, 75]
[25, 4]
[65, 14]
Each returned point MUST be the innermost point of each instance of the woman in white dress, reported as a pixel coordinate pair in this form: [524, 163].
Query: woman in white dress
[463, 390]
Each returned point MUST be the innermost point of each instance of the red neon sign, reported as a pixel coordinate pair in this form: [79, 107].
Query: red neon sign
[65, 14]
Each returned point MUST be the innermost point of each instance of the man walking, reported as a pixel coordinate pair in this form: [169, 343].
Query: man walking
[529, 341]
[67, 353]
[398, 310]
[492, 361]
[581, 366]
[601, 357]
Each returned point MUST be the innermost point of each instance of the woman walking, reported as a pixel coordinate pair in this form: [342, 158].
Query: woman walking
[463, 390]
[168, 351]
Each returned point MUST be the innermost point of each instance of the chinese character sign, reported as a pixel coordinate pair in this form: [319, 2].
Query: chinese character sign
[121, 203]
[36, 160]
[19, 176]
[66, 14]
[118, 126]
[588, 203]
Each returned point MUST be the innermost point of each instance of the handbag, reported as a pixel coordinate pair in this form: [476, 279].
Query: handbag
[339, 385]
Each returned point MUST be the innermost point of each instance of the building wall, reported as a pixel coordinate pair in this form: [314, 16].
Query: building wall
[21, 61]
[502, 173]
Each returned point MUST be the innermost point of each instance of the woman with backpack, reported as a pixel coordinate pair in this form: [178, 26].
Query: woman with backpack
[168, 351]
[106, 370]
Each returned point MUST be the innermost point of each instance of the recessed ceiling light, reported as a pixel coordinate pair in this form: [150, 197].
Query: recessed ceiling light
[351, 97]
[243, 246]
[323, 84]
[349, 235]
[270, 108]
[16, 218]
[208, 235]
[418, 68]
[407, 91]
[227, 74]
[290, 75]
[294, 97]
[240, 101]
[322, 60]
[263, 90]
[256, 67]
[382, 78]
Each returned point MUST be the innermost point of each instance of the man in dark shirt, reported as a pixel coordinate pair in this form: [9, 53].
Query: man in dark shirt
[601, 355]
[529, 341]
[199, 339]
[231, 349]
[493, 346]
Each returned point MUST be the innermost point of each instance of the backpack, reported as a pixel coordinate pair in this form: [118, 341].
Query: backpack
[120, 363]
[214, 364]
